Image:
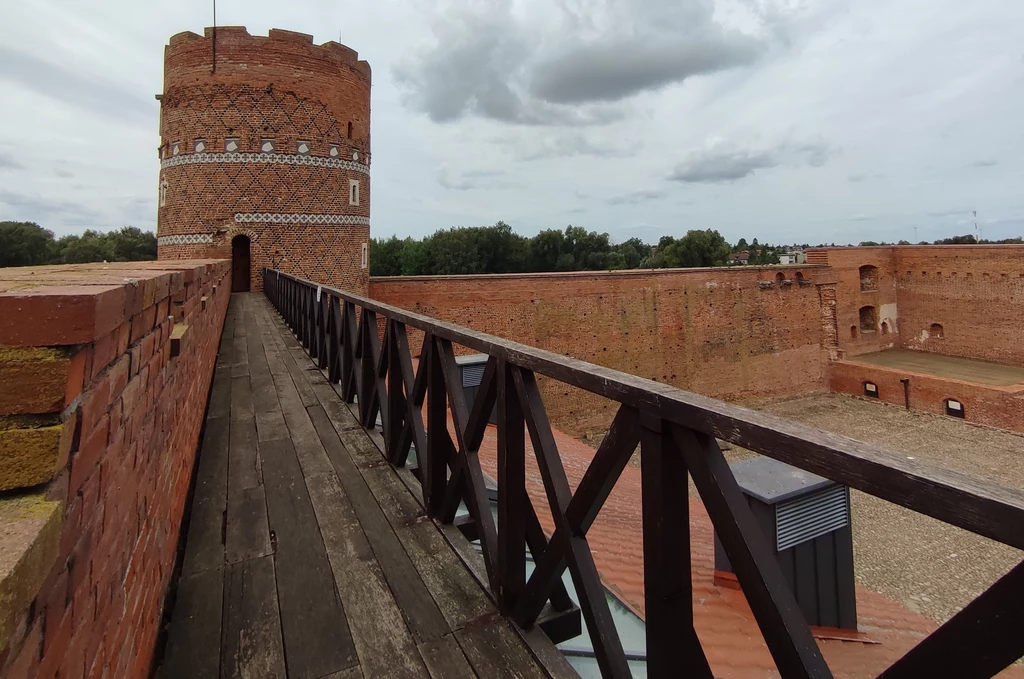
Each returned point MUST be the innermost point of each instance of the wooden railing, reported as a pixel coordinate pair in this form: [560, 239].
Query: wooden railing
[677, 432]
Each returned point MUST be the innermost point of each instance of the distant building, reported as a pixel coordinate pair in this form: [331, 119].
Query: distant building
[741, 257]
[793, 257]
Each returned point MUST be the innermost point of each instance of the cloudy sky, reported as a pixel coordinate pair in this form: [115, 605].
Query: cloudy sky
[786, 120]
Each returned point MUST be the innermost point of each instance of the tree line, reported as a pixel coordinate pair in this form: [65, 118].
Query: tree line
[28, 244]
[498, 249]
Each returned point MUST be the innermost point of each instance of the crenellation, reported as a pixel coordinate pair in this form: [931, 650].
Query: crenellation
[226, 32]
[290, 36]
[184, 36]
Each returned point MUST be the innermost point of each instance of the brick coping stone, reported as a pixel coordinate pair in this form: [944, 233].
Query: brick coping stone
[46, 306]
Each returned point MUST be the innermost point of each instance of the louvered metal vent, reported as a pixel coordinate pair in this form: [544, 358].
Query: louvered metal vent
[810, 517]
[473, 375]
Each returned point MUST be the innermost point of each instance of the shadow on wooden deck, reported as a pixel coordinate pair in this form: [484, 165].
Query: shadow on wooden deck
[306, 554]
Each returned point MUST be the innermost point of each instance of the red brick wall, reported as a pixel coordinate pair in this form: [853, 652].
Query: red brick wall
[139, 411]
[845, 271]
[975, 292]
[712, 331]
[993, 406]
[283, 88]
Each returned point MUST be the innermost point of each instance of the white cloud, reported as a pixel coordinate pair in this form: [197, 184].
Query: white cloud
[724, 162]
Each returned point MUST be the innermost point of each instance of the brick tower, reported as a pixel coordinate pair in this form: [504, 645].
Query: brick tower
[265, 156]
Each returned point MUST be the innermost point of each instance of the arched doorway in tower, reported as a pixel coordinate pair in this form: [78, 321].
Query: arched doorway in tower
[240, 264]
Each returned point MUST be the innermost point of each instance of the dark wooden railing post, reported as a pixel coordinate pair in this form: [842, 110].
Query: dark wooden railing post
[413, 433]
[334, 347]
[324, 336]
[512, 498]
[307, 316]
[348, 355]
[433, 469]
[369, 355]
[771, 600]
[311, 318]
[672, 645]
[314, 323]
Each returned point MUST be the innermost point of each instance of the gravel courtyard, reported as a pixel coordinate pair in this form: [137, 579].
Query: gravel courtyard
[924, 564]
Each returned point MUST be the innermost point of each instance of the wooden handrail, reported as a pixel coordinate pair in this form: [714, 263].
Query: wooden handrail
[677, 431]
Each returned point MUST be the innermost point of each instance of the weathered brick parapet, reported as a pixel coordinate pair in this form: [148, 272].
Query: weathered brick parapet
[104, 374]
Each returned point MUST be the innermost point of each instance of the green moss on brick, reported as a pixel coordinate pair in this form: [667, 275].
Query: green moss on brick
[29, 546]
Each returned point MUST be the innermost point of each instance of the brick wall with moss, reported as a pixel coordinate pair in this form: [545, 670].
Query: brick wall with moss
[104, 373]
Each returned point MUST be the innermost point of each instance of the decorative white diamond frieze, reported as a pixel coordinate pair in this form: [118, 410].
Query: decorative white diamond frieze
[284, 158]
[185, 239]
[284, 218]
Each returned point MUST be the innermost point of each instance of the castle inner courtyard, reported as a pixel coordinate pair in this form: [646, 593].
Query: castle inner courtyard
[928, 566]
[949, 367]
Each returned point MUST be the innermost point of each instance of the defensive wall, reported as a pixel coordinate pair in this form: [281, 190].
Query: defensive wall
[740, 334]
[105, 371]
[748, 334]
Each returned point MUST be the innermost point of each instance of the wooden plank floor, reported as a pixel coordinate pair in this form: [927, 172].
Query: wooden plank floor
[306, 555]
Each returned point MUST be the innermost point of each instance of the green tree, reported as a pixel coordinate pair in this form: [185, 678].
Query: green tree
[414, 258]
[544, 251]
[589, 249]
[28, 244]
[131, 244]
[91, 246]
[25, 244]
[633, 252]
[765, 254]
[697, 248]
[499, 248]
[386, 256]
[958, 240]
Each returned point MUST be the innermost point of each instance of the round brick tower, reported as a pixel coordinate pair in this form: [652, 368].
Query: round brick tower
[265, 156]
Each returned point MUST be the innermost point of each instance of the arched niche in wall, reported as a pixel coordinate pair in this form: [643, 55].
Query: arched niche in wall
[868, 319]
[868, 278]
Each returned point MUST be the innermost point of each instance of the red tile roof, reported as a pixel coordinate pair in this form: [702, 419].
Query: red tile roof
[724, 623]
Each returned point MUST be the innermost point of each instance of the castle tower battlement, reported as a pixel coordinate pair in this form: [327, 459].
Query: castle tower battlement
[266, 138]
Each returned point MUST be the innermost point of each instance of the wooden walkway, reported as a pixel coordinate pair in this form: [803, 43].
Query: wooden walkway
[306, 554]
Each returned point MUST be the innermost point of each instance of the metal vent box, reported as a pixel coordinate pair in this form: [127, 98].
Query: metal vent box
[806, 519]
[471, 369]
